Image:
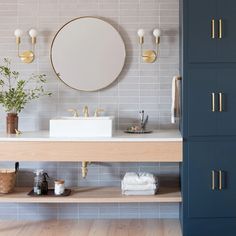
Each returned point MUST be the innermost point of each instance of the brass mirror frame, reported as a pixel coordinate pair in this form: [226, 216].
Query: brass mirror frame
[58, 75]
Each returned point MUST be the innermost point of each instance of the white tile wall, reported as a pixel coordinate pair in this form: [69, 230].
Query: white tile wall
[140, 86]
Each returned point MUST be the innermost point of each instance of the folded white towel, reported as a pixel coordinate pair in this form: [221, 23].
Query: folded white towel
[138, 187]
[139, 178]
[133, 193]
[175, 104]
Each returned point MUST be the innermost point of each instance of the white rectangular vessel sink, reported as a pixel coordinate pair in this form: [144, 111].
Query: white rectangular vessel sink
[83, 127]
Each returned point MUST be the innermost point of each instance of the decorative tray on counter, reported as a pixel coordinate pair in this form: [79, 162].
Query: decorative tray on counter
[138, 131]
[50, 193]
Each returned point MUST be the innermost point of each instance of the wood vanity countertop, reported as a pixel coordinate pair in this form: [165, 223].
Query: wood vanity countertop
[159, 146]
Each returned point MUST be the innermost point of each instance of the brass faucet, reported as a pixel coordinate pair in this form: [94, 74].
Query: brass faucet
[97, 112]
[75, 112]
[85, 111]
[84, 168]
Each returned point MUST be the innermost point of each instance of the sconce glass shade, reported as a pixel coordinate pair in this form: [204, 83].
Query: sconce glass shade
[156, 32]
[33, 33]
[141, 32]
[18, 32]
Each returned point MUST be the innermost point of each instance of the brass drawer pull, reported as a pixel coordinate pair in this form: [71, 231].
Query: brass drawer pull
[220, 180]
[213, 28]
[213, 180]
[220, 29]
[213, 105]
[220, 102]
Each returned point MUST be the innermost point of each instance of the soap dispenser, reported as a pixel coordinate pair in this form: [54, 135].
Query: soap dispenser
[44, 184]
[38, 181]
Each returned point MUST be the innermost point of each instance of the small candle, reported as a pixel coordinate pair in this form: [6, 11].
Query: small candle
[59, 187]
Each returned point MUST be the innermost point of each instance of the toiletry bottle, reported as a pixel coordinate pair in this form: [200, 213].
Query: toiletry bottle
[44, 184]
[38, 181]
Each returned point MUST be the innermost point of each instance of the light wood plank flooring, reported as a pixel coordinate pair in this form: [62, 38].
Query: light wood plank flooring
[91, 228]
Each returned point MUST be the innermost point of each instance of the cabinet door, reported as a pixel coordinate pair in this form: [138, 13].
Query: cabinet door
[227, 86]
[205, 199]
[202, 121]
[226, 45]
[201, 46]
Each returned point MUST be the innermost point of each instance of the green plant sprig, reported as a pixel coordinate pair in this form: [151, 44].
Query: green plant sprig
[14, 94]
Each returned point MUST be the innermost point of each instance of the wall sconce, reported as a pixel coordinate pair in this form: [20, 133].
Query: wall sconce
[26, 56]
[149, 56]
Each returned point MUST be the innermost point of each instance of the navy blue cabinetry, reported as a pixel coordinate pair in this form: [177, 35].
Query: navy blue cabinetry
[226, 49]
[211, 103]
[227, 86]
[201, 46]
[210, 30]
[212, 180]
[201, 120]
[208, 66]
[208, 187]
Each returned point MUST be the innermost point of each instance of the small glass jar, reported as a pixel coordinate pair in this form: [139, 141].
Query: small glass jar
[59, 187]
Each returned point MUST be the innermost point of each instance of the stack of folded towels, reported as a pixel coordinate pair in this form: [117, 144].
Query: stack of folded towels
[139, 184]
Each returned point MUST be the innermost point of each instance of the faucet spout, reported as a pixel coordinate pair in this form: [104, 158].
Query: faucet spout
[85, 111]
[97, 112]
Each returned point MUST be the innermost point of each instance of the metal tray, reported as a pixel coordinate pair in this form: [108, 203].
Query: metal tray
[138, 131]
[50, 193]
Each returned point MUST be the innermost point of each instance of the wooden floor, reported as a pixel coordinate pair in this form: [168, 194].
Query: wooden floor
[91, 228]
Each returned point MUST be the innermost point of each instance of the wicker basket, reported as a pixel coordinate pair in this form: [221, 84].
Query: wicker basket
[8, 179]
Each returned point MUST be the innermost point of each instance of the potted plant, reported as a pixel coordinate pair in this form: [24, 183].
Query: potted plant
[15, 93]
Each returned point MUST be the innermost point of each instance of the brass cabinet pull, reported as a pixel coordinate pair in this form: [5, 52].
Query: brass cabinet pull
[220, 29]
[213, 28]
[220, 180]
[213, 108]
[220, 102]
[213, 180]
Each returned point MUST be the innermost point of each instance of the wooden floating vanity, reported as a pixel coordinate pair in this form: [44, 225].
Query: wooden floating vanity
[159, 146]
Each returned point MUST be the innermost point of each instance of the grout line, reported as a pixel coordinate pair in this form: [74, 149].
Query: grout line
[140, 54]
[159, 67]
[17, 22]
[119, 170]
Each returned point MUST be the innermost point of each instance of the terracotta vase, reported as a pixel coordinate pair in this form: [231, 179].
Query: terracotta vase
[12, 123]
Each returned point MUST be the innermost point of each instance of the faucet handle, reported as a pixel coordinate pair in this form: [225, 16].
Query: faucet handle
[75, 112]
[98, 111]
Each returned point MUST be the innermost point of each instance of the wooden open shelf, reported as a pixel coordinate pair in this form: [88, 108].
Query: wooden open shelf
[93, 195]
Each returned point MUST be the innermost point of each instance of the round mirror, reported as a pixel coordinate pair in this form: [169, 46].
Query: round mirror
[87, 54]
